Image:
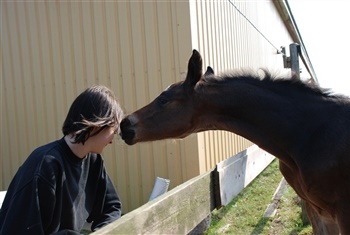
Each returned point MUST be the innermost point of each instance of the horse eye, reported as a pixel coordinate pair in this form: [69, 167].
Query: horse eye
[163, 100]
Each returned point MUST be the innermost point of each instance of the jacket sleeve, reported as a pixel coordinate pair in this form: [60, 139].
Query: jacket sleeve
[22, 213]
[47, 200]
[107, 207]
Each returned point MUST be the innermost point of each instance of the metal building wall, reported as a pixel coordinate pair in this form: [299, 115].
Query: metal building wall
[53, 50]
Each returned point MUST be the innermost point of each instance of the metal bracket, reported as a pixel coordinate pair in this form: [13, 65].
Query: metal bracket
[292, 61]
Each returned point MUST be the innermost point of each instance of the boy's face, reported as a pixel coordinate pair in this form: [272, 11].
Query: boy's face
[101, 140]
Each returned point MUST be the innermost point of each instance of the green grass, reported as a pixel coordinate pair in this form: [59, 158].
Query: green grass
[244, 215]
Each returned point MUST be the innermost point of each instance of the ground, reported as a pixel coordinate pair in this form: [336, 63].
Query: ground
[245, 214]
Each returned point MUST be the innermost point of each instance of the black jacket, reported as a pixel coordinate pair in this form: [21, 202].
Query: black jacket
[54, 191]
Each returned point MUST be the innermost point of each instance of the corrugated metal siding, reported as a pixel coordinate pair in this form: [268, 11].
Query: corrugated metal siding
[51, 51]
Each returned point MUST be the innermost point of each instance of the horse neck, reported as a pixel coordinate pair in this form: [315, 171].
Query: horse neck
[277, 121]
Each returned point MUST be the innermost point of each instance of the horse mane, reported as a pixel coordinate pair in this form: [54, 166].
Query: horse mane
[265, 77]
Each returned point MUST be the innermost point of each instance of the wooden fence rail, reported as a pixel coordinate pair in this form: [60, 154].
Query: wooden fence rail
[181, 209]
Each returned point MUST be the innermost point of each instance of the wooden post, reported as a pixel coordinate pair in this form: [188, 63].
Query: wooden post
[292, 62]
[294, 50]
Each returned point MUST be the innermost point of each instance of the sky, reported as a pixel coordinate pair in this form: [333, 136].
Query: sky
[324, 28]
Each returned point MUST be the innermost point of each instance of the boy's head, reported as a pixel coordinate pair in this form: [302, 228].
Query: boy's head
[95, 107]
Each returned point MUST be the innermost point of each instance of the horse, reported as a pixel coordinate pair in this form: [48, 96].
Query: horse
[305, 126]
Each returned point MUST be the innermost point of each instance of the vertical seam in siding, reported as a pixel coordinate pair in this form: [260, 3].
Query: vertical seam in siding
[72, 52]
[82, 44]
[105, 42]
[93, 37]
[11, 166]
[63, 69]
[30, 88]
[22, 84]
[50, 93]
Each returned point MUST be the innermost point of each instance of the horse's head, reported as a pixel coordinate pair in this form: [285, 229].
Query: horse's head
[172, 114]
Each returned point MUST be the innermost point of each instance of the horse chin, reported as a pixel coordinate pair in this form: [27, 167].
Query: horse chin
[129, 141]
[128, 138]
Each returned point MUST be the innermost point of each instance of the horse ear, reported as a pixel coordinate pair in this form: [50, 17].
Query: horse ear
[209, 71]
[194, 71]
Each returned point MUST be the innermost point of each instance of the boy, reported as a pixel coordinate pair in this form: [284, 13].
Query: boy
[63, 184]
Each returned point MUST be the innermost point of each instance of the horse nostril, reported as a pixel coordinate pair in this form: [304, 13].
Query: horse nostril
[127, 133]
[124, 123]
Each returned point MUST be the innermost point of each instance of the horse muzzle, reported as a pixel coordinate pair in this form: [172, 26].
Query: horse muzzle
[127, 131]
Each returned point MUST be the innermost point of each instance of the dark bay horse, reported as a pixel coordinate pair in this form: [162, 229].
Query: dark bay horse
[304, 126]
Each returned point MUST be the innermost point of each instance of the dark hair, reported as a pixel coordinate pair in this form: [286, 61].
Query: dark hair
[95, 107]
